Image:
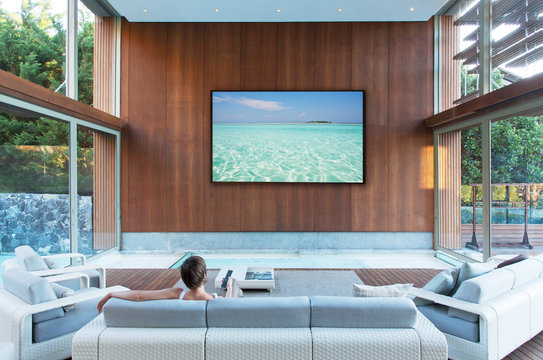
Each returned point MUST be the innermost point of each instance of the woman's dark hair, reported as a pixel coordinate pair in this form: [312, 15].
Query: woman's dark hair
[193, 272]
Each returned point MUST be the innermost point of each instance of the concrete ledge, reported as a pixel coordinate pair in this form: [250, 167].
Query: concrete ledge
[300, 242]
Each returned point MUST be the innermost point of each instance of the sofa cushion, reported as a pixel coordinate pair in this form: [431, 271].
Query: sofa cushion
[482, 288]
[438, 315]
[353, 312]
[62, 292]
[511, 261]
[395, 290]
[29, 260]
[32, 290]
[259, 312]
[524, 271]
[74, 320]
[155, 313]
[442, 284]
[470, 270]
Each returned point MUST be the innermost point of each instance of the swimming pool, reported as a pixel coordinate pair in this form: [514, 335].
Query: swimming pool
[280, 261]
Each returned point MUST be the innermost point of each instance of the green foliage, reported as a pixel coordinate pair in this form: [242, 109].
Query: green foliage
[32, 46]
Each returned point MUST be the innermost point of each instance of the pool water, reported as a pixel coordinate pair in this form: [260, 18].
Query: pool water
[284, 261]
[288, 153]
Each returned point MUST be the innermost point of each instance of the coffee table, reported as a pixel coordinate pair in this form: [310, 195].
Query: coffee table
[249, 277]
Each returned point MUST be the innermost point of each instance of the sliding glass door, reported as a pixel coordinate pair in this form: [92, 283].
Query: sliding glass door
[489, 184]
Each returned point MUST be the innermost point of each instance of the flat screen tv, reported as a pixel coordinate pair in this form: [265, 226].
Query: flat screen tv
[287, 136]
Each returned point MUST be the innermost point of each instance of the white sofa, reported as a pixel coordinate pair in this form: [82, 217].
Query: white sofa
[490, 315]
[320, 327]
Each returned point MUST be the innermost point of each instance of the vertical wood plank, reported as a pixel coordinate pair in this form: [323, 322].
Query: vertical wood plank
[296, 71]
[147, 128]
[369, 202]
[221, 72]
[125, 114]
[185, 127]
[409, 103]
[258, 208]
[333, 64]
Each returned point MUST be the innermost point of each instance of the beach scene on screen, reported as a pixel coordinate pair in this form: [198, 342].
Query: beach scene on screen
[287, 136]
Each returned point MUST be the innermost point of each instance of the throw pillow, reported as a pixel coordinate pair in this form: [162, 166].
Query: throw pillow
[442, 284]
[514, 260]
[28, 259]
[51, 264]
[396, 290]
[470, 270]
[62, 292]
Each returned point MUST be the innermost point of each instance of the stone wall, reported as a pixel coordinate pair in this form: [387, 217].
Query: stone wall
[42, 221]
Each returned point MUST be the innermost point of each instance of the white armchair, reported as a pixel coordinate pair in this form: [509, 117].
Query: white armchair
[31, 261]
[32, 317]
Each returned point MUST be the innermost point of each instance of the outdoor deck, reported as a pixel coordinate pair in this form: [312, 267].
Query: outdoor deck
[505, 235]
[152, 279]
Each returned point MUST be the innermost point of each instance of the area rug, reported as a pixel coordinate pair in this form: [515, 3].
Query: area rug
[298, 283]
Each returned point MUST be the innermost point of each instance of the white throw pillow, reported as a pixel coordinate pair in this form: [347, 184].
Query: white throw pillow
[396, 290]
[62, 292]
[442, 284]
[51, 264]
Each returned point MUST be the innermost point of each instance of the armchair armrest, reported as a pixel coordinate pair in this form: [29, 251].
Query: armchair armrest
[482, 310]
[68, 256]
[74, 269]
[53, 304]
[84, 278]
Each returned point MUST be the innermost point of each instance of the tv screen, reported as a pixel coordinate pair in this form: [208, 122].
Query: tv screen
[288, 136]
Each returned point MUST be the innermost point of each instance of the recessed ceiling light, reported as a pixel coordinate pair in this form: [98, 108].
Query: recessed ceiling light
[216, 10]
[340, 9]
[278, 10]
[411, 9]
[144, 10]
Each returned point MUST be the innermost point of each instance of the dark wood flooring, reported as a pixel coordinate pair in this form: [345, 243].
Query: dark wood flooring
[152, 279]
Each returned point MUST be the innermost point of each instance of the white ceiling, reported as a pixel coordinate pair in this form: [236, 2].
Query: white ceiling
[276, 10]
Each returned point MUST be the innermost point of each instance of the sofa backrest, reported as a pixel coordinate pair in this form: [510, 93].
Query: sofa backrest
[32, 290]
[524, 271]
[29, 260]
[155, 313]
[356, 312]
[268, 312]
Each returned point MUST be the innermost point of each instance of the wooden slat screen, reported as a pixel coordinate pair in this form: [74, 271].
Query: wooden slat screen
[521, 44]
[104, 217]
[450, 232]
[104, 191]
[450, 81]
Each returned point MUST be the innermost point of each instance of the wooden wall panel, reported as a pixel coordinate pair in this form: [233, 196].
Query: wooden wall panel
[333, 64]
[410, 98]
[296, 71]
[390, 61]
[185, 128]
[258, 207]
[221, 72]
[369, 203]
[146, 125]
[125, 134]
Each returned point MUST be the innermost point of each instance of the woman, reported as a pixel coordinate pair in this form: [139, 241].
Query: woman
[194, 275]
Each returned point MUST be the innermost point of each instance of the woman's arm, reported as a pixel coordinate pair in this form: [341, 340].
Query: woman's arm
[140, 295]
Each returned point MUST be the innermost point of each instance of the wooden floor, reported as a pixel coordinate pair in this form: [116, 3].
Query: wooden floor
[152, 279]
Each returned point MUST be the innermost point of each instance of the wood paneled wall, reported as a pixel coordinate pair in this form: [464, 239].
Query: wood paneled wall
[168, 72]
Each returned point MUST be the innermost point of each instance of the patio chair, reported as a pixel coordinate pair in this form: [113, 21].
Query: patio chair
[31, 261]
[33, 318]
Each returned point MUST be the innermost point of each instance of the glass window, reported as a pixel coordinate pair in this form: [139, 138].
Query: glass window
[85, 58]
[462, 45]
[34, 184]
[517, 184]
[517, 40]
[33, 41]
[460, 192]
[96, 174]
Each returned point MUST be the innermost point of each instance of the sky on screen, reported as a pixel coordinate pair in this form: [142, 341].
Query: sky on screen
[287, 107]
